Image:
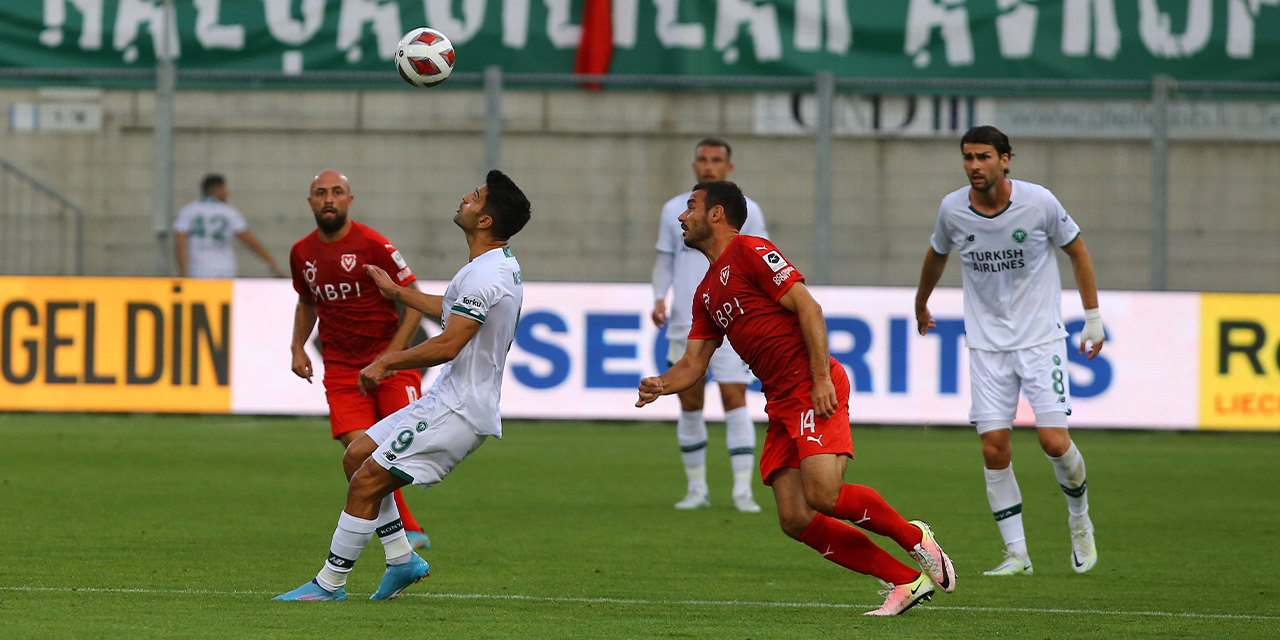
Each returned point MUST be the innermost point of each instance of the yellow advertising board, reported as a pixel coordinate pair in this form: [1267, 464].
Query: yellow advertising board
[1239, 361]
[115, 344]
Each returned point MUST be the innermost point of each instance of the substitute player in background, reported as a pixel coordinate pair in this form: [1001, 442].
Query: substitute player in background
[681, 268]
[357, 325]
[202, 235]
[1006, 231]
[753, 296]
[423, 442]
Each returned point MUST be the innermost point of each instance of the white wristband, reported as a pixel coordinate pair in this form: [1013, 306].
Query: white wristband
[1092, 331]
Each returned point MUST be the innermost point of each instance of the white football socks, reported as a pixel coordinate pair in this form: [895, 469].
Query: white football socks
[349, 539]
[691, 433]
[390, 530]
[740, 435]
[1069, 469]
[1006, 504]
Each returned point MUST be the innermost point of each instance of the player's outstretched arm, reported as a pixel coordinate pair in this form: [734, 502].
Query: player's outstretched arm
[408, 326]
[429, 305]
[434, 352]
[180, 253]
[1087, 284]
[304, 320]
[686, 373]
[934, 264]
[260, 249]
[813, 327]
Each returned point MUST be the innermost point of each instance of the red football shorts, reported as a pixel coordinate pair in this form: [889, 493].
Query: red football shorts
[348, 410]
[796, 433]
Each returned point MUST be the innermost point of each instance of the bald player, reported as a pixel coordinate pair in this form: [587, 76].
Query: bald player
[357, 325]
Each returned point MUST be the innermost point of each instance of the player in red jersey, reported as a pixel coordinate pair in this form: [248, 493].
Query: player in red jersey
[755, 297]
[357, 325]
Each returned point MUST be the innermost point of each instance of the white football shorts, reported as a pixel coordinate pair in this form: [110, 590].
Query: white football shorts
[726, 366]
[996, 376]
[423, 442]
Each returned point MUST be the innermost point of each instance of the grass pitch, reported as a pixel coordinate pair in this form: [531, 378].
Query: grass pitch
[183, 527]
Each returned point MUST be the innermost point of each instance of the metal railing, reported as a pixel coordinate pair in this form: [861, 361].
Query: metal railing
[1160, 93]
[42, 232]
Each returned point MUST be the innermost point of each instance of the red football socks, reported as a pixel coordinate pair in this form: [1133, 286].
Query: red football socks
[864, 507]
[852, 549]
[406, 518]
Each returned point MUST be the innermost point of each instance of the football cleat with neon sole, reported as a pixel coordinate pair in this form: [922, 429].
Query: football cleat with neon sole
[313, 592]
[694, 500]
[932, 559]
[418, 539]
[399, 577]
[904, 596]
[1084, 551]
[1012, 565]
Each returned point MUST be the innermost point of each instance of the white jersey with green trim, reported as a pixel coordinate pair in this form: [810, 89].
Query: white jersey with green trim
[1012, 291]
[489, 290]
[211, 226]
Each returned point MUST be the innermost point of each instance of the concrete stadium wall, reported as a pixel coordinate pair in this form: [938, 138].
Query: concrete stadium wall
[598, 167]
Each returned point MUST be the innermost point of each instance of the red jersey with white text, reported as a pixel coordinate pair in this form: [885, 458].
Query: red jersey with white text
[356, 322]
[738, 298]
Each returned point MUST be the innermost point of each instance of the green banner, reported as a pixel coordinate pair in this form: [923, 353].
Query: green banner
[1088, 39]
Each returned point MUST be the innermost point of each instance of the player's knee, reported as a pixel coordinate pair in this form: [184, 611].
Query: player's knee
[996, 457]
[794, 524]
[1055, 447]
[356, 454]
[821, 499]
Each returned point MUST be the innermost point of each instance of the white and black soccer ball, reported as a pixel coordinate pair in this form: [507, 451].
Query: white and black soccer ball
[424, 57]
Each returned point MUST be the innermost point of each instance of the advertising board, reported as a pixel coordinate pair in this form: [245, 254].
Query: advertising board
[1171, 361]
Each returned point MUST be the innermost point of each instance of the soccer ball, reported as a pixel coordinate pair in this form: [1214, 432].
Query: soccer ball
[424, 57]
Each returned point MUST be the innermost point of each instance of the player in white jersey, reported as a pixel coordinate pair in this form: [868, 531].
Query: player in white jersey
[421, 443]
[681, 269]
[203, 231]
[1005, 232]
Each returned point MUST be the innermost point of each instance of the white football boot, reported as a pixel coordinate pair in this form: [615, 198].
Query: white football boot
[695, 499]
[1084, 551]
[1012, 565]
[743, 500]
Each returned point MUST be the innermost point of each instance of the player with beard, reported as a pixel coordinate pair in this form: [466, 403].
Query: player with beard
[755, 298]
[357, 325]
[1005, 232]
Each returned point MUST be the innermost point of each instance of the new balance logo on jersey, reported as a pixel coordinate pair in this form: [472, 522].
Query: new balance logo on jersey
[774, 260]
[817, 439]
[348, 261]
[724, 275]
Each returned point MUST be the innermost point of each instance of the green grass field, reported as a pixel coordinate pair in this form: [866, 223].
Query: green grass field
[176, 527]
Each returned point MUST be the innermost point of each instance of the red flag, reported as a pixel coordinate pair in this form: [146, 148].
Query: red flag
[595, 49]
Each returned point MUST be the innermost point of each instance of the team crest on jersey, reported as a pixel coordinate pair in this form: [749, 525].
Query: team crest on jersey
[1019, 235]
[348, 261]
[310, 272]
[724, 275]
[774, 260]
